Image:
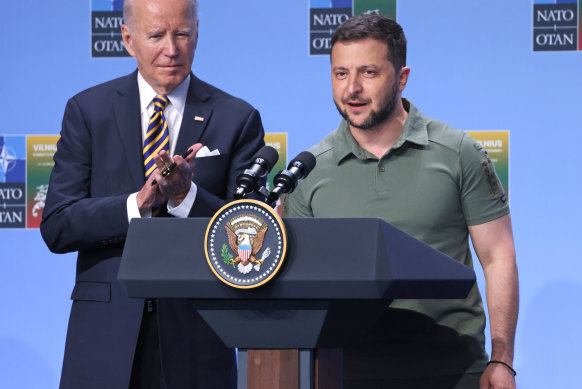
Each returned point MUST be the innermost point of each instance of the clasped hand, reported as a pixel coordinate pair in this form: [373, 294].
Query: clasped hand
[173, 187]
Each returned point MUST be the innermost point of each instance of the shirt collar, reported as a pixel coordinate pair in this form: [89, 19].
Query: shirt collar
[415, 127]
[177, 97]
[414, 131]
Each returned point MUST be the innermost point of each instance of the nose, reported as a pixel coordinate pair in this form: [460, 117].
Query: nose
[354, 84]
[170, 47]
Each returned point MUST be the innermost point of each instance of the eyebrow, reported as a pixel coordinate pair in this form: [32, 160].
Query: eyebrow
[187, 30]
[154, 32]
[359, 68]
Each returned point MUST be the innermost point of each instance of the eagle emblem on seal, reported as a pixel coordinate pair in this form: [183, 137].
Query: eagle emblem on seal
[245, 244]
[246, 234]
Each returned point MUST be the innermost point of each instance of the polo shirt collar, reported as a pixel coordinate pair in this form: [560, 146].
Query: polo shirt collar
[414, 131]
[415, 127]
[345, 144]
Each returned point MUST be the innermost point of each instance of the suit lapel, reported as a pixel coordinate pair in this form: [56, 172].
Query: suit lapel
[197, 113]
[126, 106]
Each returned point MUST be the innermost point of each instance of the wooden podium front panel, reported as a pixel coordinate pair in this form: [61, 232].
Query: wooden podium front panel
[279, 369]
[273, 369]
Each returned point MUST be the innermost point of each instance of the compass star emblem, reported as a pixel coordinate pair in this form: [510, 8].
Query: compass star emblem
[8, 159]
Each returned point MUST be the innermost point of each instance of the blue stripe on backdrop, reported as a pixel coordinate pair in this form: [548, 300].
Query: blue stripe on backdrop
[320, 3]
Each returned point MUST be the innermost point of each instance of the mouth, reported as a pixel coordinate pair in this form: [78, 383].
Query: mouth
[356, 105]
[172, 66]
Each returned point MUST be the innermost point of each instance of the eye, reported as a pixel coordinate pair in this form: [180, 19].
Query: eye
[370, 73]
[341, 75]
[183, 34]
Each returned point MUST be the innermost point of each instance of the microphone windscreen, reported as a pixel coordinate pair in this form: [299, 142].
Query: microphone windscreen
[269, 154]
[307, 159]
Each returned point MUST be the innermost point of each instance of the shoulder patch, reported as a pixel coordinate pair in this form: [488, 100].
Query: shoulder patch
[495, 188]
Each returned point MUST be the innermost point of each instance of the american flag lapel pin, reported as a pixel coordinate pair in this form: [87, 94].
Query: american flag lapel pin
[198, 118]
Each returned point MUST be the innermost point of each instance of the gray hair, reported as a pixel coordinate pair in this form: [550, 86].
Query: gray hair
[129, 17]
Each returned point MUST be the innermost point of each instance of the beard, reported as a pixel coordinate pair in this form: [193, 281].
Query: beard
[387, 106]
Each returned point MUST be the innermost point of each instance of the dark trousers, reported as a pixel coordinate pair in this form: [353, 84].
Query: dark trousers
[147, 364]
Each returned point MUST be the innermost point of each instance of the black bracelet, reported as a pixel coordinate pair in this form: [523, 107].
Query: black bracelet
[504, 364]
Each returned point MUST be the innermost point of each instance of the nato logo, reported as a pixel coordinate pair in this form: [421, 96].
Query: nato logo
[326, 15]
[12, 181]
[556, 26]
[106, 21]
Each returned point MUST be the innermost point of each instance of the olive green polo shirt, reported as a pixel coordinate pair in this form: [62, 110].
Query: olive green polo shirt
[433, 183]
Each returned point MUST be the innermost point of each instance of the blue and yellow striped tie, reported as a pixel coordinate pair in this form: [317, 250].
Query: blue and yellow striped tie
[157, 137]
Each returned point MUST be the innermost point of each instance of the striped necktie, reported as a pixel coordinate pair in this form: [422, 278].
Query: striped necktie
[157, 136]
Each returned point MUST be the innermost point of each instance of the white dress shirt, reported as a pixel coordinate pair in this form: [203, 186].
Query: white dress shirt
[173, 113]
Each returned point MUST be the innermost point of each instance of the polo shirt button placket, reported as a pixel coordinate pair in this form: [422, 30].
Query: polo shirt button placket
[381, 177]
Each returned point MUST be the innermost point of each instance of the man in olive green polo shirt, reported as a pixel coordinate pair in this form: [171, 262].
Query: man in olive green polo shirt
[387, 160]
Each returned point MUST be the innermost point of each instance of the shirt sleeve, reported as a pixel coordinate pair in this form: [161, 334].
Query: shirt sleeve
[132, 208]
[185, 206]
[482, 195]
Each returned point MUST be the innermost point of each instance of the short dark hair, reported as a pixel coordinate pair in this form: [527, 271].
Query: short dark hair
[376, 27]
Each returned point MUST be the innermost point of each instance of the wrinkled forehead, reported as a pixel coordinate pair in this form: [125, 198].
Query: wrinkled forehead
[173, 14]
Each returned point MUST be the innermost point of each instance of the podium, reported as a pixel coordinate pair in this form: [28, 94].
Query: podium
[339, 275]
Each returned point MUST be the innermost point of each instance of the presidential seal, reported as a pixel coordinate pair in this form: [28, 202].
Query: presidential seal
[245, 244]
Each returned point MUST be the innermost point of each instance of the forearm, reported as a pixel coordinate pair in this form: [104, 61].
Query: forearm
[493, 243]
[502, 291]
[84, 223]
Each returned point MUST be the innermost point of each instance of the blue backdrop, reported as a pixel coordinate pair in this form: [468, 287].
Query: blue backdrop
[472, 66]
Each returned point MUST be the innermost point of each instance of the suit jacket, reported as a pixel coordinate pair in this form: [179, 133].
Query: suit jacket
[98, 163]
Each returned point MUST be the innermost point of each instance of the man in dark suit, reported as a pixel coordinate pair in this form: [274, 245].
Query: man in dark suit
[99, 183]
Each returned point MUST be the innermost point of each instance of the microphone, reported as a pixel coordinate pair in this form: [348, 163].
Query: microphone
[263, 162]
[286, 180]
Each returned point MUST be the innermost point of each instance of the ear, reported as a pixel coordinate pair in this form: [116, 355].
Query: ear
[403, 78]
[196, 37]
[127, 39]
